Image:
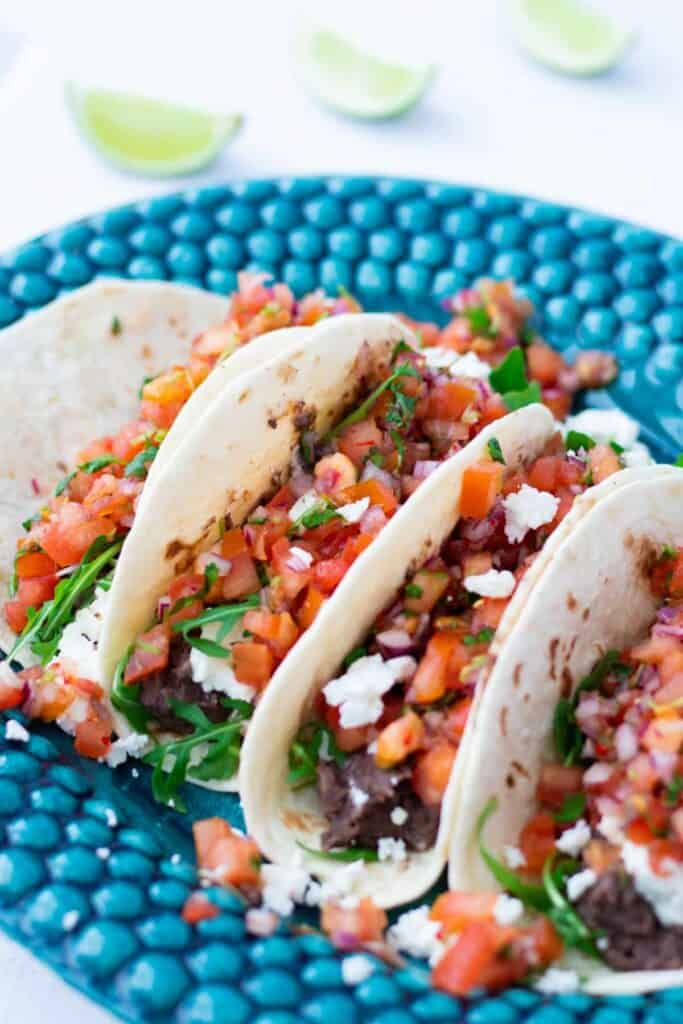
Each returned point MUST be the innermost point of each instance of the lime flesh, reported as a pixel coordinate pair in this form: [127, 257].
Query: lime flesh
[356, 84]
[149, 136]
[568, 36]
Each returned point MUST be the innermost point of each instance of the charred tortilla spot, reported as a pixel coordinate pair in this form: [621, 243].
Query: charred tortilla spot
[552, 651]
[244, 396]
[571, 602]
[585, 614]
[287, 372]
[146, 352]
[520, 769]
[504, 721]
[567, 682]
[517, 676]
[510, 781]
[300, 821]
[272, 422]
[173, 548]
[185, 561]
[62, 466]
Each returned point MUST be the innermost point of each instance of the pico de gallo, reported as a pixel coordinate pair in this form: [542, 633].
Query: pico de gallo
[602, 859]
[486, 361]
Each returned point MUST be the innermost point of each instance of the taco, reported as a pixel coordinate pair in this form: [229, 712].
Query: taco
[372, 707]
[579, 816]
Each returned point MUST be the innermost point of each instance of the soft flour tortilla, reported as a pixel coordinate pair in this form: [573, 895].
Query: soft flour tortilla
[594, 596]
[236, 453]
[278, 818]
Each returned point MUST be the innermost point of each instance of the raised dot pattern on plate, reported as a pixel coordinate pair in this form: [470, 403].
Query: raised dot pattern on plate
[92, 875]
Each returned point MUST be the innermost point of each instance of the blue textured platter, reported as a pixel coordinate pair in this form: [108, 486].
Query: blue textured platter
[77, 837]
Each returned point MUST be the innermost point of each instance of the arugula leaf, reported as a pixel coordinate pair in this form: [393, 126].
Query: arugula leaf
[400, 346]
[510, 375]
[495, 451]
[573, 806]
[86, 467]
[354, 655]
[223, 741]
[678, 461]
[126, 697]
[304, 754]
[376, 457]
[673, 790]
[44, 629]
[480, 322]
[576, 440]
[527, 396]
[567, 736]
[139, 466]
[220, 613]
[571, 928]
[353, 853]
[210, 648]
[533, 896]
[358, 414]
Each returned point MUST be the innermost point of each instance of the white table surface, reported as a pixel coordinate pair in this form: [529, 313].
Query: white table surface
[494, 118]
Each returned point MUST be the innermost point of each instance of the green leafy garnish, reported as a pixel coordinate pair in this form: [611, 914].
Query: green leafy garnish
[399, 443]
[413, 590]
[321, 513]
[220, 761]
[404, 405]
[304, 754]
[678, 461]
[667, 552]
[484, 636]
[480, 322]
[527, 335]
[44, 629]
[377, 458]
[28, 523]
[495, 451]
[673, 790]
[567, 736]
[115, 325]
[618, 448]
[576, 440]
[527, 396]
[533, 896]
[307, 453]
[126, 697]
[145, 382]
[354, 655]
[573, 806]
[139, 466]
[510, 375]
[345, 856]
[226, 614]
[86, 467]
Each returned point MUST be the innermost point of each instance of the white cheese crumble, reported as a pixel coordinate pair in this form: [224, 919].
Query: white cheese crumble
[306, 503]
[15, 731]
[604, 425]
[399, 816]
[358, 796]
[299, 559]
[575, 838]
[507, 909]
[417, 935]
[580, 883]
[354, 511]
[76, 712]
[135, 745]
[283, 886]
[216, 674]
[341, 886]
[391, 849]
[609, 826]
[556, 982]
[527, 509]
[513, 857]
[491, 583]
[468, 365]
[358, 693]
[79, 639]
[356, 969]
[664, 893]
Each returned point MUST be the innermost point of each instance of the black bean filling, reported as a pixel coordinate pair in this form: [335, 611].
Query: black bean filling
[176, 681]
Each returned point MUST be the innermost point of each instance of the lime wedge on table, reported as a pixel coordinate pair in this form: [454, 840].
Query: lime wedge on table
[569, 36]
[149, 136]
[353, 82]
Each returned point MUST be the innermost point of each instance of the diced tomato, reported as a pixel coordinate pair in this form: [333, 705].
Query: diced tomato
[357, 440]
[168, 388]
[556, 782]
[467, 963]
[480, 487]
[603, 461]
[399, 739]
[49, 697]
[150, 653]
[494, 409]
[211, 343]
[242, 579]
[131, 440]
[233, 543]
[664, 734]
[544, 473]
[15, 615]
[279, 631]
[378, 493]
[600, 856]
[232, 859]
[285, 562]
[665, 854]
[12, 690]
[93, 735]
[312, 604]
[671, 692]
[455, 910]
[639, 832]
[537, 840]
[449, 399]
[334, 472]
[161, 414]
[432, 584]
[282, 499]
[262, 536]
[350, 927]
[432, 771]
[439, 667]
[544, 940]
[488, 612]
[112, 496]
[95, 450]
[347, 739]
[355, 546]
[455, 720]
[253, 663]
[558, 401]
[329, 573]
[183, 587]
[33, 563]
[69, 533]
[198, 908]
[34, 592]
[543, 363]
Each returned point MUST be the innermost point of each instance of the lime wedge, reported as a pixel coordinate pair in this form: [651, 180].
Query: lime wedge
[148, 136]
[355, 83]
[568, 36]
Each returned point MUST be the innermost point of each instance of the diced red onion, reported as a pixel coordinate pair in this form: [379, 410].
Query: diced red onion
[626, 742]
[394, 642]
[163, 605]
[373, 520]
[673, 630]
[224, 565]
[373, 472]
[664, 763]
[300, 483]
[423, 468]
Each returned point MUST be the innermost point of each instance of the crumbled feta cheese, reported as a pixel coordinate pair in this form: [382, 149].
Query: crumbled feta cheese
[513, 857]
[15, 731]
[79, 638]
[103, 852]
[575, 838]
[356, 969]
[341, 886]
[556, 982]
[469, 365]
[663, 892]
[283, 886]
[70, 920]
[358, 693]
[134, 745]
[638, 455]
[507, 909]
[306, 503]
[580, 883]
[491, 584]
[438, 358]
[391, 849]
[416, 935]
[609, 826]
[604, 425]
[111, 818]
[527, 509]
[357, 795]
[354, 511]
[399, 816]
[299, 559]
[215, 675]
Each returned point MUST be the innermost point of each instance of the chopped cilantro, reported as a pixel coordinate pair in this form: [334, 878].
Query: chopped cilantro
[480, 322]
[115, 326]
[618, 448]
[354, 655]
[576, 440]
[413, 590]
[510, 375]
[495, 451]
[674, 790]
[139, 466]
[573, 806]
[527, 396]
[678, 461]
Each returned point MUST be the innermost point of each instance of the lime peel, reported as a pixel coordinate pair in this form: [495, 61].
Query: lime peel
[568, 36]
[355, 83]
[148, 136]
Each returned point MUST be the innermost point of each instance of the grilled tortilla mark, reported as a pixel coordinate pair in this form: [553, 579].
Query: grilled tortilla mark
[517, 676]
[301, 821]
[244, 396]
[552, 651]
[520, 769]
[287, 372]
[510, 781]
[504, 721]
[571, 602]
[272, 422]
[585, 614]
[173, 548]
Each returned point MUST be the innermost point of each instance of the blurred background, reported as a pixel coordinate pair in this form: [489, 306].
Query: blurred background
[493, 115]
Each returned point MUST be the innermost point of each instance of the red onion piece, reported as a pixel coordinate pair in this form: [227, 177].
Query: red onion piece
[423, 468]
[224, 565]
[394, 642]
[373, 472]
[163, 605]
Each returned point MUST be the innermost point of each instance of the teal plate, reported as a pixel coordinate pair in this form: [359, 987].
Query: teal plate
[93, 875]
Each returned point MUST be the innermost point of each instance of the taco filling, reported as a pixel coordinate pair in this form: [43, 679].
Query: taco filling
[385, 733]
[603, 856]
